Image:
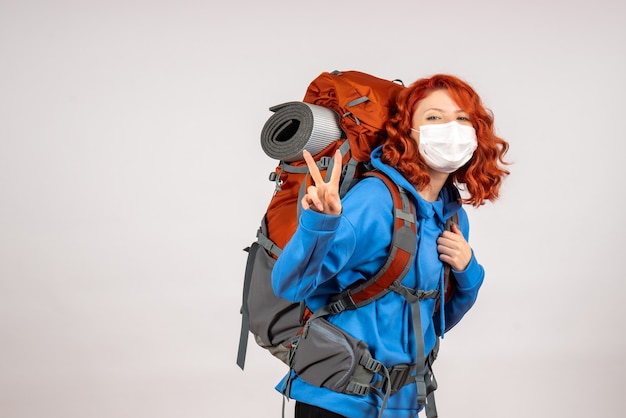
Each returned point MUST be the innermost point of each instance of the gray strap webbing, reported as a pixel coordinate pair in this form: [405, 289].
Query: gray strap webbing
[349, 170]
[355, 102]
[245, 313]
[358, 101]
[387, 393]
[431, 382]
[301, 194]
[360, 383]
[420, 358]
[431, 386]
[323, 163]
[268, 244]
[414, 297]
[348, 175]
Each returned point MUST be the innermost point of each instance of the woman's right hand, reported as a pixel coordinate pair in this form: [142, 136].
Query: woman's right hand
[323, 196]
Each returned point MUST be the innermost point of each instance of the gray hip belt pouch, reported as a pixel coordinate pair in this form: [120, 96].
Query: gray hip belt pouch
[326, 356]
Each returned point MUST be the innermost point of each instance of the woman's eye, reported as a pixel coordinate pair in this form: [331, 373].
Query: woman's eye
[463, 118]
[432, 117]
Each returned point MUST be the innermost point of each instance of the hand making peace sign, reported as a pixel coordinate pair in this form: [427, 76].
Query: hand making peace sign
[323, 197]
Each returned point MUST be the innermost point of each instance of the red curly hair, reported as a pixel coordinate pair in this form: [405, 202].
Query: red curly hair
[482, 175]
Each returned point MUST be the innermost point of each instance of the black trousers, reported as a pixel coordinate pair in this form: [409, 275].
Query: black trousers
[304, 410]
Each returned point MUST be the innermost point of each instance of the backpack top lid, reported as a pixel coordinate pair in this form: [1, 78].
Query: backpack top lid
[345, 110]
[363, 102]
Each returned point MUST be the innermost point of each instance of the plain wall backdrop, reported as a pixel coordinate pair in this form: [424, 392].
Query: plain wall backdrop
[131, 178]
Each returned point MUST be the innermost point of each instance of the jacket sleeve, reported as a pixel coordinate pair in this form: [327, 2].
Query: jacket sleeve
[468, 283]
[328, 253]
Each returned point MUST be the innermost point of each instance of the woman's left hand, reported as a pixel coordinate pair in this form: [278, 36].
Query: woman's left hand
[454, 249]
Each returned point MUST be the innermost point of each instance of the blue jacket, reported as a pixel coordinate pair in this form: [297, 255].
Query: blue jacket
[329, 253]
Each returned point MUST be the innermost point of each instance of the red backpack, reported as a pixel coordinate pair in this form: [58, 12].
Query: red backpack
[340, 110]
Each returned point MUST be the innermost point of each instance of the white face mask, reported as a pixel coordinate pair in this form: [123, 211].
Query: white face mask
[446, 146]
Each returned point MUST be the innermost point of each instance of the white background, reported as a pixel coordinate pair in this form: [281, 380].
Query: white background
[131, 177]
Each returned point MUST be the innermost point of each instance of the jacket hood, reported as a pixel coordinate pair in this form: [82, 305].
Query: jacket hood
[449, 201]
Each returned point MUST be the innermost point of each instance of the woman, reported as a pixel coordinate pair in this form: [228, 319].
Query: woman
[439, 136]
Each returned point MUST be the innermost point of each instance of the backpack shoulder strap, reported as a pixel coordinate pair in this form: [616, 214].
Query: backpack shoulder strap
[399, 260]
[448, 277]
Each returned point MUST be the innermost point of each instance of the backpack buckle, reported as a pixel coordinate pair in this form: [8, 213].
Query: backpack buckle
[336, 307]
[356, 388]
[323, 163]
[399, 376]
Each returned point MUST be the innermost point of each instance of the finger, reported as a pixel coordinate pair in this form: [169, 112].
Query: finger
[445, 258]
[336, 174]
[308, 203]
[448, 238]
[443, 241]
[447, 250]
[313, 199]
[449, 247]
[313, 169]
[305, 203]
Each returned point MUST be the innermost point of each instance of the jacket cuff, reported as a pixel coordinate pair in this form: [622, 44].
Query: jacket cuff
[471, 277]
[316, 221]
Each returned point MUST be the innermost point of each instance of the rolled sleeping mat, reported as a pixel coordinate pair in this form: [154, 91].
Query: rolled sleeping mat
[298, 126]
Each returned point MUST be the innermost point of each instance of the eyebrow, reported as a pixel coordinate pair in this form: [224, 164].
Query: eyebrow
[442, 111]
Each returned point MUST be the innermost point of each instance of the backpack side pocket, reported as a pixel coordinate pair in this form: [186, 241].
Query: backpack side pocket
[274, 321]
